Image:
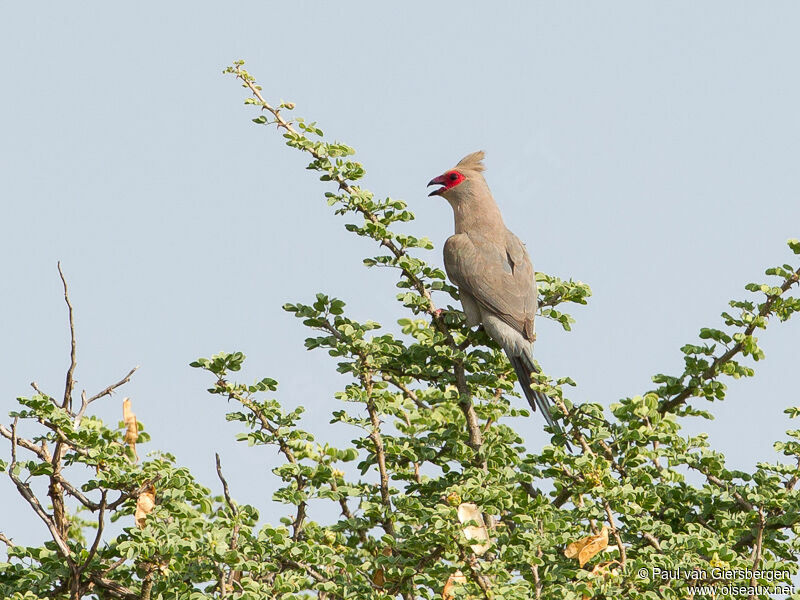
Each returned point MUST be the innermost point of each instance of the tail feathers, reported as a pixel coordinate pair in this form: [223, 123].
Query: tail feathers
[523, 368]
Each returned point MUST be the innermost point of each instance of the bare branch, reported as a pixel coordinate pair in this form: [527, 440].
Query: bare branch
[70, 382]
[225, 585]
[110, 389]
[228, 501]
[39, 451]
[78, 495]
[36, 388]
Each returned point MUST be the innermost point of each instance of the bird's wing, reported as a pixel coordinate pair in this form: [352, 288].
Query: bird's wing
[497, 273]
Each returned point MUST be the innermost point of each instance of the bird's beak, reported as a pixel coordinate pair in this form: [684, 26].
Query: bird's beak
[437, 181]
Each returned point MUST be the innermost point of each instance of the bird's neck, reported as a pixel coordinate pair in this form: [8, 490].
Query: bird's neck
[478, 213]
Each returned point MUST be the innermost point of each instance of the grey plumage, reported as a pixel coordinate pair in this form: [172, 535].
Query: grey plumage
[493, 272]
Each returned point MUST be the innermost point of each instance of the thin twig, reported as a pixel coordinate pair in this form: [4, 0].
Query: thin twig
[36, 388]
[110, 389]
[622, 555]
[757, 548]
[135, 493]
[39, 451]
[792, 481]
[283, 446]
[311, 571]
[398, 252]
[70, 382]
[741, 501]
[380, 455]
[100, 525]
[479, 578]
[409, 393]
[465, 403]
[713, 369]
[348, 514]
[652, 540]
[228, 501]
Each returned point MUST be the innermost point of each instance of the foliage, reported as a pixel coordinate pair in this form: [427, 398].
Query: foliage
[434, 408]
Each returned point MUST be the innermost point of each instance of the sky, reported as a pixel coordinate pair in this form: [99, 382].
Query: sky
[648, 149]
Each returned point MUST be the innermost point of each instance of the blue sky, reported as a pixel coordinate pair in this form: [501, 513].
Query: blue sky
[648, 149]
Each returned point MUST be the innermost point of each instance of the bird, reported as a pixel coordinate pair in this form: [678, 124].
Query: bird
[492, 271]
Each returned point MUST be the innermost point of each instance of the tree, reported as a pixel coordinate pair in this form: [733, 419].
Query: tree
[440, 498]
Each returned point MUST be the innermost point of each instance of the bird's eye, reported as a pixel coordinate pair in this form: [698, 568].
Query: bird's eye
[453, 176]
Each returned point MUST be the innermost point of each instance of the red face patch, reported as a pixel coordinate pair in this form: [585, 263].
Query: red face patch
[449, 180]
[452, 179]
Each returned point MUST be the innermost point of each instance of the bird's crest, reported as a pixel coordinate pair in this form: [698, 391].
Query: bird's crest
[472, 162]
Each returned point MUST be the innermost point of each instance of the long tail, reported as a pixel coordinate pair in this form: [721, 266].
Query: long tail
[523, 366]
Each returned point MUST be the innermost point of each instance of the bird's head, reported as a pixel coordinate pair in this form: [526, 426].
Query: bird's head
[458, 180]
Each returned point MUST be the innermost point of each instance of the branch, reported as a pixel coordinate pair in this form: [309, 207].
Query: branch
[465, 404]
[380, 454]
[147, 583]
[409, 393]
[713, 368]
[483, 582]
[107, 391]
[792, 481]
[622, 554]
[25, 490]
[100, 525]
[249, 82]
[362, 536]
[652, 540]
[757, 549]
[113, 588]
[35, 386]
[133, 493]
[70, 383]
[78, 495]
[750, 538]
[228, 501]
[39, 451]
[740, 500]
[310, 571]
[562, 497]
